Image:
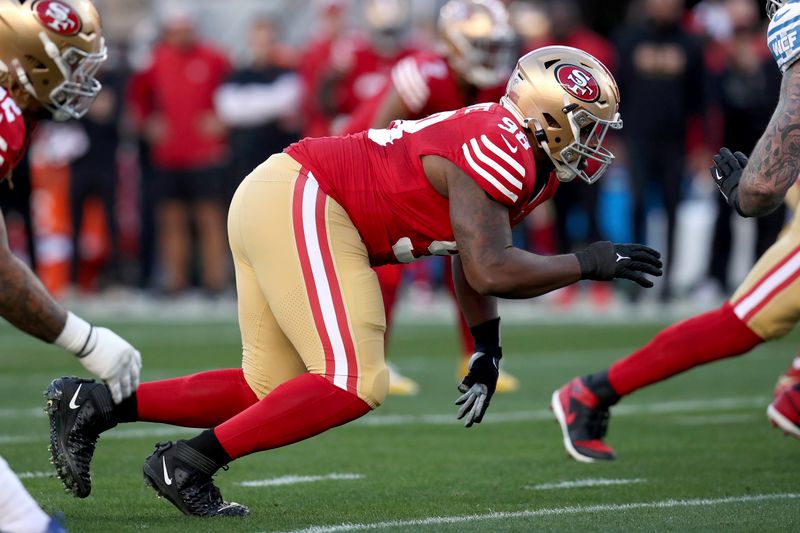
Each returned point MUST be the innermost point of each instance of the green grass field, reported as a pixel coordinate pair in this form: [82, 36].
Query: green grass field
[695, 453]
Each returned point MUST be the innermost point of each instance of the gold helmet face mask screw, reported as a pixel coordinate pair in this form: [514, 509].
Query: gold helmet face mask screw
[570, 101]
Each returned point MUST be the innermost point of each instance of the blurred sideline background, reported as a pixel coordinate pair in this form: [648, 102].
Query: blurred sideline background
[105, 234]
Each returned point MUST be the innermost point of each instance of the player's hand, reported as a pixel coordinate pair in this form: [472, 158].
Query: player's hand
[478, 387]
[604, 261]
[726, 172]
[115, 361]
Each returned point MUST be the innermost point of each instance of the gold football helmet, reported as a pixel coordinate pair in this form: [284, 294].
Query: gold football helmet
[569, 100]
[479, 40]
[387, 21]
[51, 50]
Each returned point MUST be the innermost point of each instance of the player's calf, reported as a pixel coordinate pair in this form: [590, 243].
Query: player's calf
[79, 410]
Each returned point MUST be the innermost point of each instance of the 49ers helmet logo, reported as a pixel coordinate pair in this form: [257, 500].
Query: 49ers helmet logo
[578, 82]
[58, 17]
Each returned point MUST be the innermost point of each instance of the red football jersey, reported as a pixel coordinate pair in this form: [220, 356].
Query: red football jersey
[365, 71]
[427, 85]
[12, 134]
[377, 176]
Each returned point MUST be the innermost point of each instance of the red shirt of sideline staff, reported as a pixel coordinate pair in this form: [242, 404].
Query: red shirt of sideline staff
[174, 102]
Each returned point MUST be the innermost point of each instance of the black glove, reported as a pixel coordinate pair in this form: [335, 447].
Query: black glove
[604, 261]
[727, 171]
[478, 386]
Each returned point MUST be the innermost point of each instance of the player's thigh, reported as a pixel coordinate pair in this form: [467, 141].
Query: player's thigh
[362, 302]
[768, 300]
[268, 357]
[314, 271]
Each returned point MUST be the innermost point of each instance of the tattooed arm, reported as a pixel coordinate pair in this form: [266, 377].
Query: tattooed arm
[24, 301]
[775, 162]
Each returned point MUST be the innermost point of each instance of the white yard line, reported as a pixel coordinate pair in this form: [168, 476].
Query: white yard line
[580, 483]
[553, 511]
[294, 480]
[681, 406]
[35, 475]
[377, 420]
[715, 420]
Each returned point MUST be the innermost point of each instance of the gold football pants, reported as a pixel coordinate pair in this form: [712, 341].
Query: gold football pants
[308, 300]
[768, 300]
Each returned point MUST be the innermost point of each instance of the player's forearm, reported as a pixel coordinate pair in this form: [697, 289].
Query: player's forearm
[26, 304]
[519, 274]
[775, 162]
[477, 308]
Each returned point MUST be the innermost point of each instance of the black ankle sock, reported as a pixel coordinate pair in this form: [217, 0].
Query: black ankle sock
[598, 383]
[126, 410]
[487, 336]
[208, 444]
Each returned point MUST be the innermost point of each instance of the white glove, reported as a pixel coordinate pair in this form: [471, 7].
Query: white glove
[105, 354]
[115, 361]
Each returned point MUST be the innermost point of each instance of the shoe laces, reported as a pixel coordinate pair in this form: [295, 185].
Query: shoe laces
[202, 492]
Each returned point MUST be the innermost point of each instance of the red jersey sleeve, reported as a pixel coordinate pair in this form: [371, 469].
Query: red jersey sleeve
[12, 134]
[417, 79]
[495, 159]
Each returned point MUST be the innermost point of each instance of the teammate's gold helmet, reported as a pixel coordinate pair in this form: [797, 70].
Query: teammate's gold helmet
[479, 40]
[387, 15]
[52, 49]
[569, 100]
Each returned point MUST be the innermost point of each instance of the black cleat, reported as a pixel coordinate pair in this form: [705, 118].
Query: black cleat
[79, 410]
[183, 475]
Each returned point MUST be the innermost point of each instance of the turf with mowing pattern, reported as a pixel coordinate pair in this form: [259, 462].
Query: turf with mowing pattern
[416, 467]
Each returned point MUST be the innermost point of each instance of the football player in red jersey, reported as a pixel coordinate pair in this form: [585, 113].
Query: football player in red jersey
[50, 51]
[305, 229]
[360, 63]
[766, 306]
[472, 66]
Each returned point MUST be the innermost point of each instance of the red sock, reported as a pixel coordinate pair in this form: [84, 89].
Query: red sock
[695, 341]
[389, 277]
[298, 409]
[200, 401]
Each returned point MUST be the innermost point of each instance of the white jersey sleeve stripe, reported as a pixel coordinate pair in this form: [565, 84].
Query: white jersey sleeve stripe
[410, 84]
[487, 176]
[503, 155]
[417, 82]
[494, 166]
[405, 88]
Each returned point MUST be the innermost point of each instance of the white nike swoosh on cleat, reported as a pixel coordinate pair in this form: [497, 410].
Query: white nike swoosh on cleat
[167, 479]
[72, 404]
